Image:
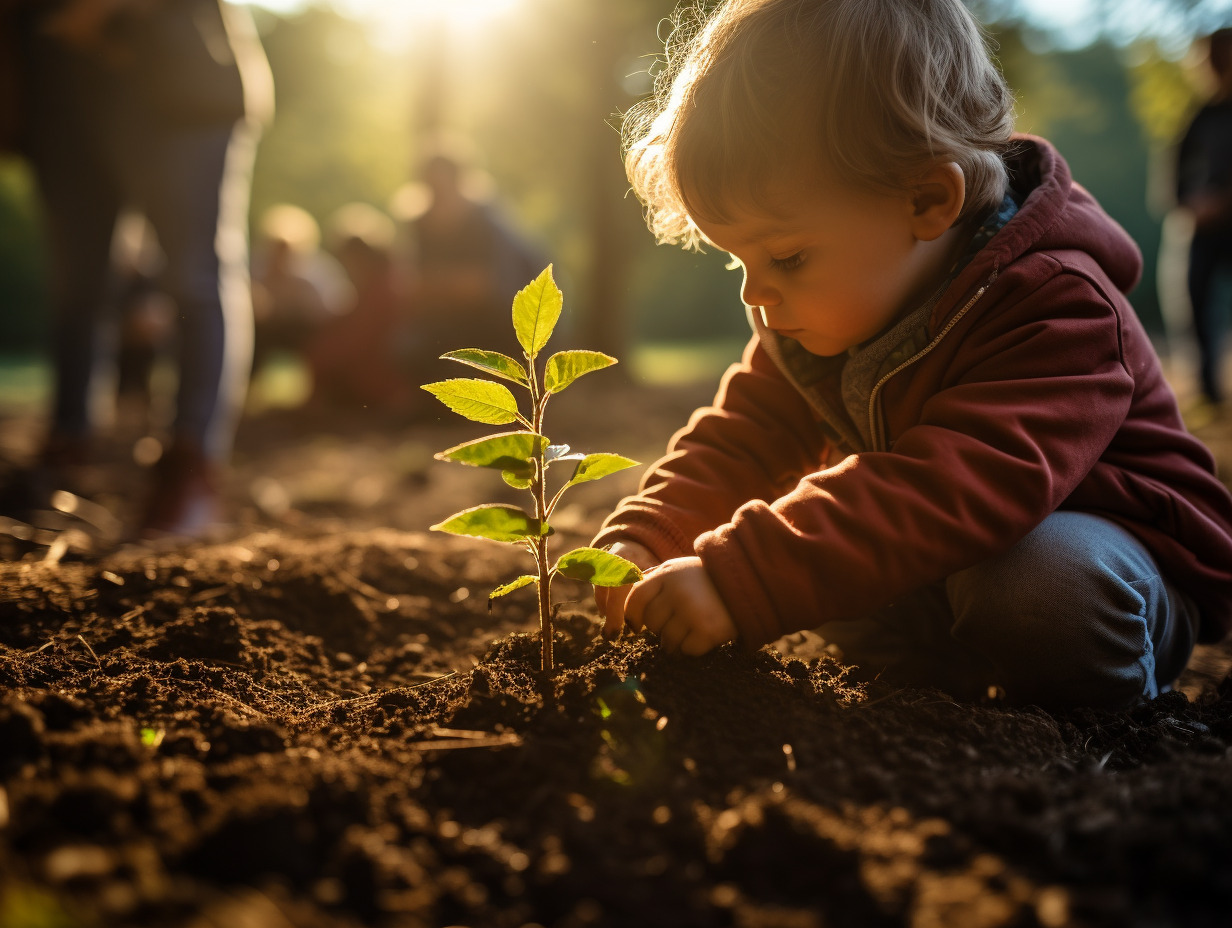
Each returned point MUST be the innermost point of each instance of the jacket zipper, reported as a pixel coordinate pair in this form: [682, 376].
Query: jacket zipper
[873, 430]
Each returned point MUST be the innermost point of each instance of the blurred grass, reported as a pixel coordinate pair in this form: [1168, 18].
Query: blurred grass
[25, 380]
[25, 384]
[675, 363]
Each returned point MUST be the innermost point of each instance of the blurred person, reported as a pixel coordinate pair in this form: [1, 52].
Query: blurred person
[296, 287]
[1204, 190]
[354, 357]
[146, 320]
[466, 262]
[153, 104]
[949, 446]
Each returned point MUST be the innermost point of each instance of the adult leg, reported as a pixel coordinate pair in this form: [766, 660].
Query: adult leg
[193, 185]
[1076, 614]
[81, 199]
[1206, 254]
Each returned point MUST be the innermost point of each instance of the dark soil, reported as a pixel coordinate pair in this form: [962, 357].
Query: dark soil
[315, 721]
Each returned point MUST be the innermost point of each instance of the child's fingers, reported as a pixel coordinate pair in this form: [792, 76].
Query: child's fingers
[673, 632]
[641, 595]
[700, 641]
[611, 602]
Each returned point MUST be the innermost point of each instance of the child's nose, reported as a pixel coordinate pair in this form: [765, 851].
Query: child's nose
[758, 293]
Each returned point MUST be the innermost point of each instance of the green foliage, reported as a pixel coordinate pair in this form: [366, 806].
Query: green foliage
[494, 522]
[477, 400]
[564, 367]
[594, 466]
[512, 452]
[536, 310]
[523, 457]
[491, 361]
[596, 567]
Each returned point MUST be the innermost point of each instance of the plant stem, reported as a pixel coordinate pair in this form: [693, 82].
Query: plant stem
[539, 403]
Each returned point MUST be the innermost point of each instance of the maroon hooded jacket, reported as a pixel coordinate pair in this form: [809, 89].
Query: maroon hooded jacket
[1037, 390]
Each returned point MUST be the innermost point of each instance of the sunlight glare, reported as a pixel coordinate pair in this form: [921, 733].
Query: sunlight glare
[406, 18]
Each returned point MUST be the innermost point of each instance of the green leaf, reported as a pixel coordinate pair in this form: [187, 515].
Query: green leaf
[518, 483]
[524, 580]
[564, 367]
[536, 309]
[499, 523]
[594, 466]
[597, 567]
[478, 400]
[514, 452]
[491, 361]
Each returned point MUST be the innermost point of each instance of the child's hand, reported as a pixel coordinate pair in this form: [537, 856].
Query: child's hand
[678, 602]
[606, 595]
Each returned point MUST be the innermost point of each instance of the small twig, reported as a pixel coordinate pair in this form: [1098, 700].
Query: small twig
[456, 733]
[56, 550]
[873, 702]
[494, 741]
[359, 586]
[370, 697]
[91, 650]
[212, 593]
[227, 696]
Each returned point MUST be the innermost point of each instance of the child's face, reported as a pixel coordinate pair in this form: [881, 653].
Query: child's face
[828, 265]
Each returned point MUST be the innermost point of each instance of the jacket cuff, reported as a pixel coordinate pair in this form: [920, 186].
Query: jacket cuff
[740, 587]
[647, 527]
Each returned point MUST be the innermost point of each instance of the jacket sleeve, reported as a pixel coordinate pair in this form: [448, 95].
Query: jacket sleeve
[1027, 406]
[755, 442]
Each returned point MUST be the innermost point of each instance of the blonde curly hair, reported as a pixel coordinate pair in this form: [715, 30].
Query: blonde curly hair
[762, 91]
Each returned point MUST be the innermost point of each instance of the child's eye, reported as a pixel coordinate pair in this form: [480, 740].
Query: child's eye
[790, 263]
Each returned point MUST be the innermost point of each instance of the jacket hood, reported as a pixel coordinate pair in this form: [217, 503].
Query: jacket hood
[1056, 214]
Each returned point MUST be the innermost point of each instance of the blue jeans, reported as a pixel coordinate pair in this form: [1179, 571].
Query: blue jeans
[1075, 614]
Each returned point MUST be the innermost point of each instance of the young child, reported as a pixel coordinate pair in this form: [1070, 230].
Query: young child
[949, 445]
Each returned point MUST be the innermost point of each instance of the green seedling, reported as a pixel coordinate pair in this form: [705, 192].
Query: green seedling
[524, 457]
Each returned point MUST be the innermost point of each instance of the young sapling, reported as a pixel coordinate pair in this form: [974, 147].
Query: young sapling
[524, 456]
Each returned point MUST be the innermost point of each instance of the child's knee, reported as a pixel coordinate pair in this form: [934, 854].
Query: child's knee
[1064, 618]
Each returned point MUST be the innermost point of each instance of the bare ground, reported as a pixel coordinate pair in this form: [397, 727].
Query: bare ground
[314, 720]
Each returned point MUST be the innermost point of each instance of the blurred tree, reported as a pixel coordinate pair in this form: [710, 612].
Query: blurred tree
[341, 130]
[544, 104]
[540, 92]
[1081, 102]
[23, 293]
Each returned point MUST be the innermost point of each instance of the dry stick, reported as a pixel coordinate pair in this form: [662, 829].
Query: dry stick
[91, 650]
[212, 593]
[313, 710]
[496, 741]
[359, 586]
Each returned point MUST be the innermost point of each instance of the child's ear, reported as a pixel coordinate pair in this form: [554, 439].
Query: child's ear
[937, 200]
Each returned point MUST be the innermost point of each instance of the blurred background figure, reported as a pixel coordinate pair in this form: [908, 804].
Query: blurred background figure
[355, 358]
[296, 287]
[1204, 191]
[154, 105]
[465, 261]
[146, 326]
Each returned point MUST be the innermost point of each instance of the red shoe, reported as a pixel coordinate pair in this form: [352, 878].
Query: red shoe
[185, 502]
